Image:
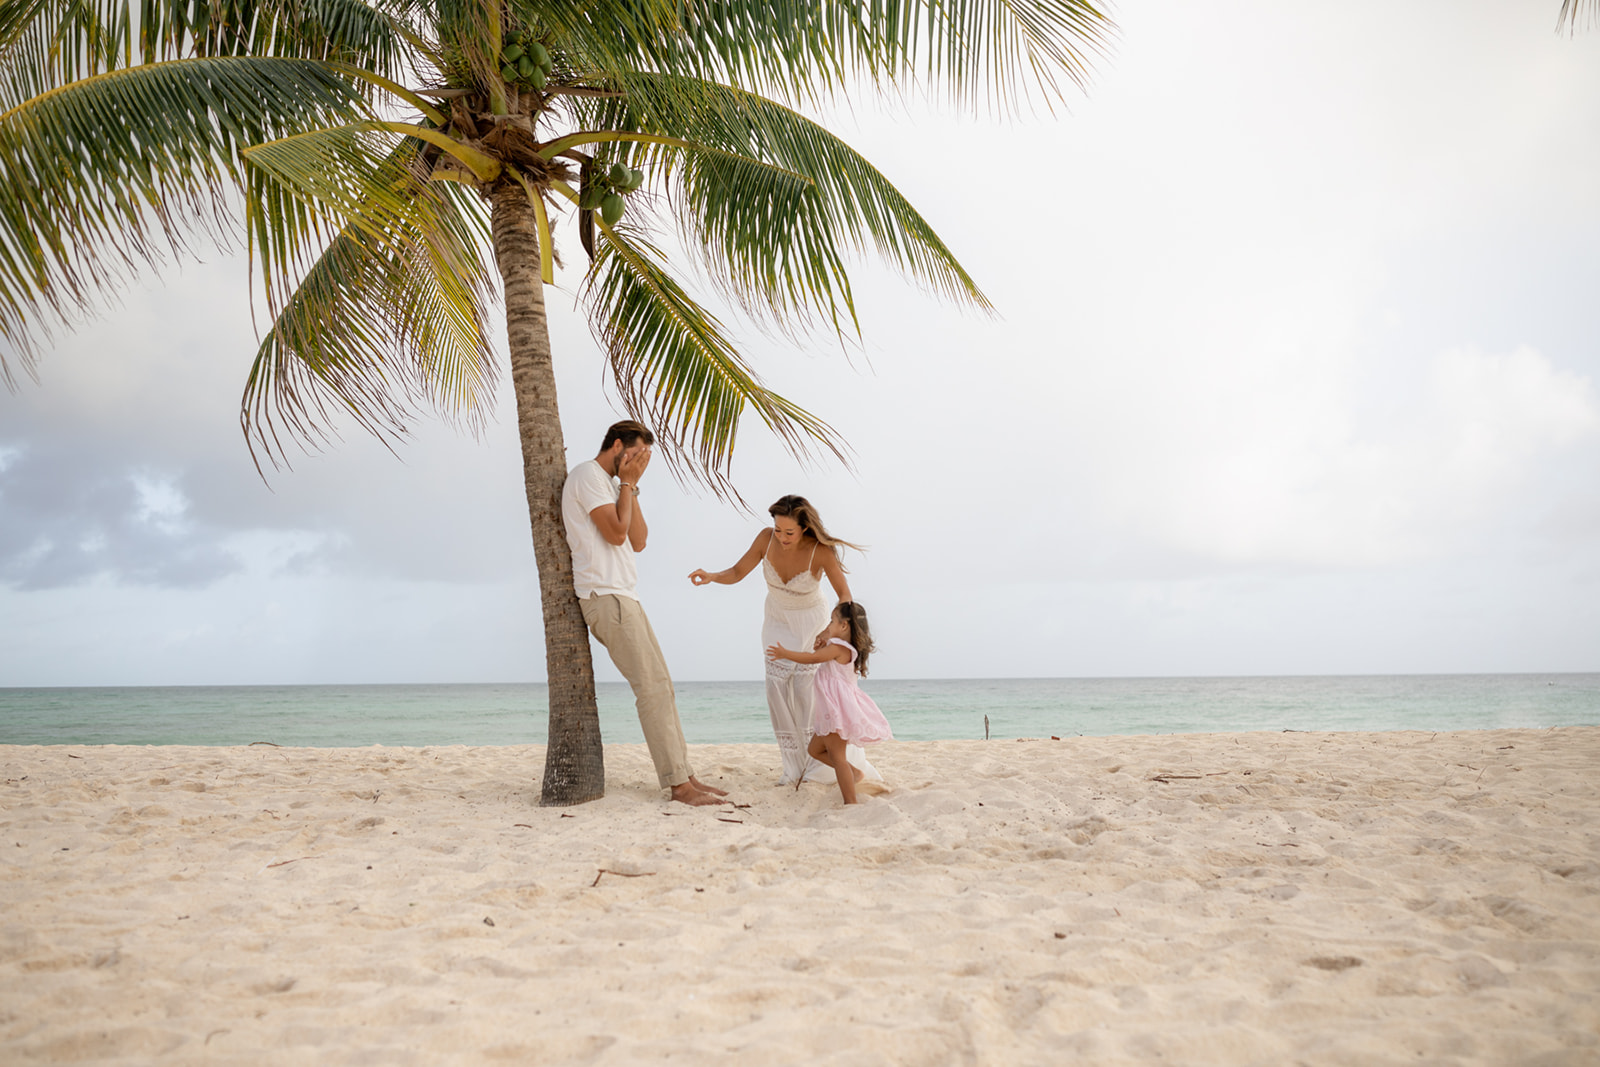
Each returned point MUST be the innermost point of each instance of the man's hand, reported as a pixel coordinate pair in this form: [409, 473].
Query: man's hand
[631, 467]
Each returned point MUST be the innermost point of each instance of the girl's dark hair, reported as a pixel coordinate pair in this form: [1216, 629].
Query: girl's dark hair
[860, 633]
[800, 510]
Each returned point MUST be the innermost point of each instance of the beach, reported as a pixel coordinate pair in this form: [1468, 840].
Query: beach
[1247, 898]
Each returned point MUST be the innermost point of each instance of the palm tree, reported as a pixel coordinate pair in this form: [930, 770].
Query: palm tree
[380, 154]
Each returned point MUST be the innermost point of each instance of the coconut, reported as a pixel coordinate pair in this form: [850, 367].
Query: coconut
[611, 206]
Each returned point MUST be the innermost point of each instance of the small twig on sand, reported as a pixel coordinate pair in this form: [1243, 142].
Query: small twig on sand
[721, 819]
[285, 863]
[1164, 778]
[253, 744]
[619, 874]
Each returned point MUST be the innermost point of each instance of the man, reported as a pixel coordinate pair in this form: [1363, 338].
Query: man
[600, 507]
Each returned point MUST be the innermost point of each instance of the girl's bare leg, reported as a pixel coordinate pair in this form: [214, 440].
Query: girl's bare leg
[836, 759]
[818, 750]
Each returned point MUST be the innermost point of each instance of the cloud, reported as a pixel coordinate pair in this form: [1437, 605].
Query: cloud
[62, 523]
[1296, 476]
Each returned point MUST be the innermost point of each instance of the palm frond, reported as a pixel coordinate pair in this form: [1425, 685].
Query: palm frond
[773, 241]
[359, 175]
[1574, 11]
[391, 314]
[106, 177]
[998, 51]
[675, 367]
[50, 43]
[45, 43]
[375, 329]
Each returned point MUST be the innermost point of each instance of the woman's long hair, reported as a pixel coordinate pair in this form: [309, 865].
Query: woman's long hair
[860, 632]
[805, 516]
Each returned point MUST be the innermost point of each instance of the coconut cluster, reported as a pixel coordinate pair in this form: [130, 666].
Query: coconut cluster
[525, 63]
[606, 189]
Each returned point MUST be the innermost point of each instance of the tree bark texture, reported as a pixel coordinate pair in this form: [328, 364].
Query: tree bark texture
[574, 764]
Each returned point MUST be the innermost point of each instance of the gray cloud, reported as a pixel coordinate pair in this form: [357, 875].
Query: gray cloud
[67, 518]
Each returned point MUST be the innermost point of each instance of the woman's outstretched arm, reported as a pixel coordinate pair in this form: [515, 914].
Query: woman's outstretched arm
[736, 573]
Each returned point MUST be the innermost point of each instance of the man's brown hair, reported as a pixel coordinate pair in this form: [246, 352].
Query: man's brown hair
[628, 432]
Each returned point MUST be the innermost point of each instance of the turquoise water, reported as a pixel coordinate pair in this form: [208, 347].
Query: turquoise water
[514, 714]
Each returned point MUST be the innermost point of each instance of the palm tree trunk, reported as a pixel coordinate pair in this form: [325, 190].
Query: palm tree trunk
[574, 763]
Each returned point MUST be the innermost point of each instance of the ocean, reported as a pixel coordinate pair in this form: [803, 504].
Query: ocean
[723, 712]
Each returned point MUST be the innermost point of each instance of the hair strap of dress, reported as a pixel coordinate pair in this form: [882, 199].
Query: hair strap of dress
[813, 557]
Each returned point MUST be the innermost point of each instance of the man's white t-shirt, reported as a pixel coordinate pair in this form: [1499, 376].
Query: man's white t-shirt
[598, 566]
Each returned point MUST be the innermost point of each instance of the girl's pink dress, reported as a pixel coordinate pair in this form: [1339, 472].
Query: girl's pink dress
[842, 708]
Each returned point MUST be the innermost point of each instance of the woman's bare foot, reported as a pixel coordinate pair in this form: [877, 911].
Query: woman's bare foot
[688, 794]
[713, 790]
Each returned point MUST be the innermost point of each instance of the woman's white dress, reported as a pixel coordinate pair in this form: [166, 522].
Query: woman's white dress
[796, 613]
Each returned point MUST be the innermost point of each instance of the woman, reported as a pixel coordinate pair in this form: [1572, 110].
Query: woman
[794, 555]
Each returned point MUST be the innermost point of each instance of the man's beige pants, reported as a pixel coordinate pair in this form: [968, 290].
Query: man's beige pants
[619, 623]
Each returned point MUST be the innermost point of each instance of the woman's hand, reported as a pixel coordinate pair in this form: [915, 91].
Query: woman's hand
[700, 577]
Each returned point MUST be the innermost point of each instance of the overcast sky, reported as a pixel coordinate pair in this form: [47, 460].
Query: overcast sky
[1294, 372]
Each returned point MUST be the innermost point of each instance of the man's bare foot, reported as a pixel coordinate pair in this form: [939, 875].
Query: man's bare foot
[713, 790]
[688, 794]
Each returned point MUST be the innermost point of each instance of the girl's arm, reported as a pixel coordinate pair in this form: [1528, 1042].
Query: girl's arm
[736, 573]
[835, 572]
[835, 653]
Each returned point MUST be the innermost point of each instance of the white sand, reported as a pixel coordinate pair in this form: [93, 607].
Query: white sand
[1308, 898]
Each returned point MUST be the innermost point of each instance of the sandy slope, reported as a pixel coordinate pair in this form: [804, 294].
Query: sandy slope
[1206, 899]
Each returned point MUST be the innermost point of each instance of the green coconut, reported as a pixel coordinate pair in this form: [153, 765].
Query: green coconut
[618, 175]
[540, 54]
[611, 206]
[513, 52]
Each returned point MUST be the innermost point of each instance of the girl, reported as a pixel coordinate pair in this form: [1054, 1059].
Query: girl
[842, 712]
